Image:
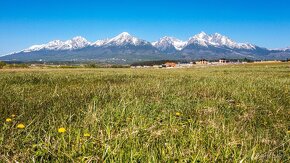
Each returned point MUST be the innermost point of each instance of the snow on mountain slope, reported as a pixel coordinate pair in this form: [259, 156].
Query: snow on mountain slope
[163, 44]
[217, 40]
[125, 39]
[168, 42]
[75, 43]
[200, 39]
[283, 49]
[121, 40]
[79, 42]
[100, 42]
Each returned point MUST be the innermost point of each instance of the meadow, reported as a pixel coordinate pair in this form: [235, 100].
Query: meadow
[202, 114]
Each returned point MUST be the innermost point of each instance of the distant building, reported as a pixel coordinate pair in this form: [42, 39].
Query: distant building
[223, 60]
[169, 64]
[157, 66]
[181, 65]
[202, 62]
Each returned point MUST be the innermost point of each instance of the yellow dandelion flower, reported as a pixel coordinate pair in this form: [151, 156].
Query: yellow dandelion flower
[178, 114]
[13, 115]
[20, 126]
[288, 131]
[8, 119]
[87, 135]
[61, 130]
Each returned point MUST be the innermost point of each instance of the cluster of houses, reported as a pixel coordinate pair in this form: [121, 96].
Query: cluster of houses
[188, 64]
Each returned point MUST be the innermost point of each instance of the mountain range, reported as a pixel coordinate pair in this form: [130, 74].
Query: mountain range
[127, 48]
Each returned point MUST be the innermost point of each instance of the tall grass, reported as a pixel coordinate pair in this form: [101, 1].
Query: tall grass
[229, 113]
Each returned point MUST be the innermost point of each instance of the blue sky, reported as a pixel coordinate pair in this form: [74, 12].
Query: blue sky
[26, 22]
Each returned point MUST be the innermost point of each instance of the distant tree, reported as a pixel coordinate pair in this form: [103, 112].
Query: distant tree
[155, 62]
[92, 65]
[246, 60]
[2, 64]
[20, 65]
[120, 66]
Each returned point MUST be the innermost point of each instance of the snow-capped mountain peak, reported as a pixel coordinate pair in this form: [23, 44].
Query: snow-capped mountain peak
[75, 43]
[79, 39]
[201, 39]
[125, 39]
[201, 35]
[52, 45]
[124, 34]
[168, 42]
[217, 40]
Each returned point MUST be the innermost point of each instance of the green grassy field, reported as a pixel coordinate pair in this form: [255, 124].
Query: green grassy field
[222, 114]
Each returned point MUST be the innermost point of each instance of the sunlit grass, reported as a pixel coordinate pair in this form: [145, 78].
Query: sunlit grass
[228, 113]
